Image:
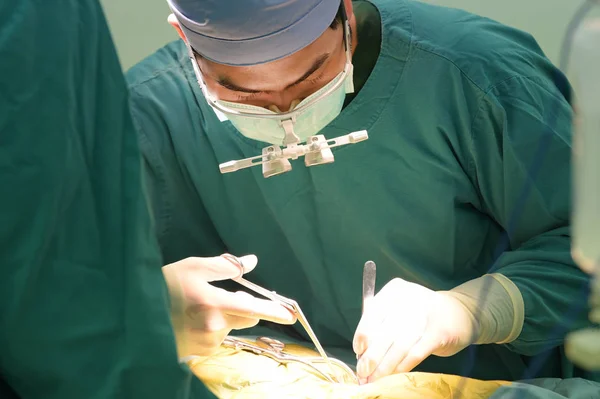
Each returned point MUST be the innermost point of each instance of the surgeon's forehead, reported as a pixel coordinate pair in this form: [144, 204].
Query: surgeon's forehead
[287, 69]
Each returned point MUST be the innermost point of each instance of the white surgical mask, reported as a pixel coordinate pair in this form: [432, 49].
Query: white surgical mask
[313, 113]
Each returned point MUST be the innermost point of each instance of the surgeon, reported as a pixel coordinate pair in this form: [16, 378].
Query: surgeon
[460, 195]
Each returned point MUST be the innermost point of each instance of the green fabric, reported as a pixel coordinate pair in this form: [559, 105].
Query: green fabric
[455, 107]
[83, 304]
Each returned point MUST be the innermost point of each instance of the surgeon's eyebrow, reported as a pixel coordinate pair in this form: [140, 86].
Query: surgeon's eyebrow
[228, 84]
[315, 66]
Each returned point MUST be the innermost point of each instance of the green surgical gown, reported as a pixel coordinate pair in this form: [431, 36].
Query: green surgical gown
[455, 107]
[83, 304]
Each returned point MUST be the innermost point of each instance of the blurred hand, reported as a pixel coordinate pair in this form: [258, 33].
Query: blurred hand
[203, 315]
[405, 323]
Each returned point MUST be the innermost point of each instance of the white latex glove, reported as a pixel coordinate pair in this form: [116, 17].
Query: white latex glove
[405, 323]
[203, 315]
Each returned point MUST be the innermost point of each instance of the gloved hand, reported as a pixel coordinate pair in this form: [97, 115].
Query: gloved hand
[203, 315]
[405, 323]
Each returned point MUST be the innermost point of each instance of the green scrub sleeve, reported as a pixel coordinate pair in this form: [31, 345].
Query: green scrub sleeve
[521, 148]
[83, 303]
[182, 224]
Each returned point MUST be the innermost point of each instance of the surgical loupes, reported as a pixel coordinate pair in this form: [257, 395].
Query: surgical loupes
[276, 160]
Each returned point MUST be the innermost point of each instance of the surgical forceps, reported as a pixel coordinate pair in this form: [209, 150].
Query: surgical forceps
[286, 302]
[274, 349]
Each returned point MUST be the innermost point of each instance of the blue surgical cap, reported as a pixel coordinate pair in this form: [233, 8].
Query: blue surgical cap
[250, 32]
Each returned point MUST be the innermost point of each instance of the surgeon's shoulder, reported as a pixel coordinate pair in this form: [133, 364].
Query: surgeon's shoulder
[162, 95]
[168, 60]
[485, 51]
[162, 82]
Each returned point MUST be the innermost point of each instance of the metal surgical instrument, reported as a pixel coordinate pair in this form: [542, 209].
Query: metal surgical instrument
[368, 288]
[275, 350]
[286, 302]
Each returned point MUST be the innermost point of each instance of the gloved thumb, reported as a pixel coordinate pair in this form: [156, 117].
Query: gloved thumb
[218, 267]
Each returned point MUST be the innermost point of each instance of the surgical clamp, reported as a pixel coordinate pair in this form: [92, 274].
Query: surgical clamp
[286, 302]
[275, 350]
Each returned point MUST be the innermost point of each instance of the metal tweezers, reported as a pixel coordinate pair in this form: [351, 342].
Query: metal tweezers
[286, 302]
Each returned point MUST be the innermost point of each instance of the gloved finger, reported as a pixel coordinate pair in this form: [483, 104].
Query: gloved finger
[203, 344]
[369, 323]
[394, 356]
[240, 323]
[214, 321]
[429, 343]
[389, 347]
[245, 305]
[201, 338]
[204, 319]
[375, 312]
[379, 341]
[205, 335]
[219, 268]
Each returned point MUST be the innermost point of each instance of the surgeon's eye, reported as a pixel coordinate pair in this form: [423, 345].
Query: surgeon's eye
[246, 96]
[316, 79]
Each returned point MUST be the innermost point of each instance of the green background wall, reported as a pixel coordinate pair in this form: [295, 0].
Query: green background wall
[139, 27]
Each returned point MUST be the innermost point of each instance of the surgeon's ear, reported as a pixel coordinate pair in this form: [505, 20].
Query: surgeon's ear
[352, 21]
[349, 11]
[175, 24]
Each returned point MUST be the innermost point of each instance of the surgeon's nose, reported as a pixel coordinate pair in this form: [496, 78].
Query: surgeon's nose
[280, 107]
